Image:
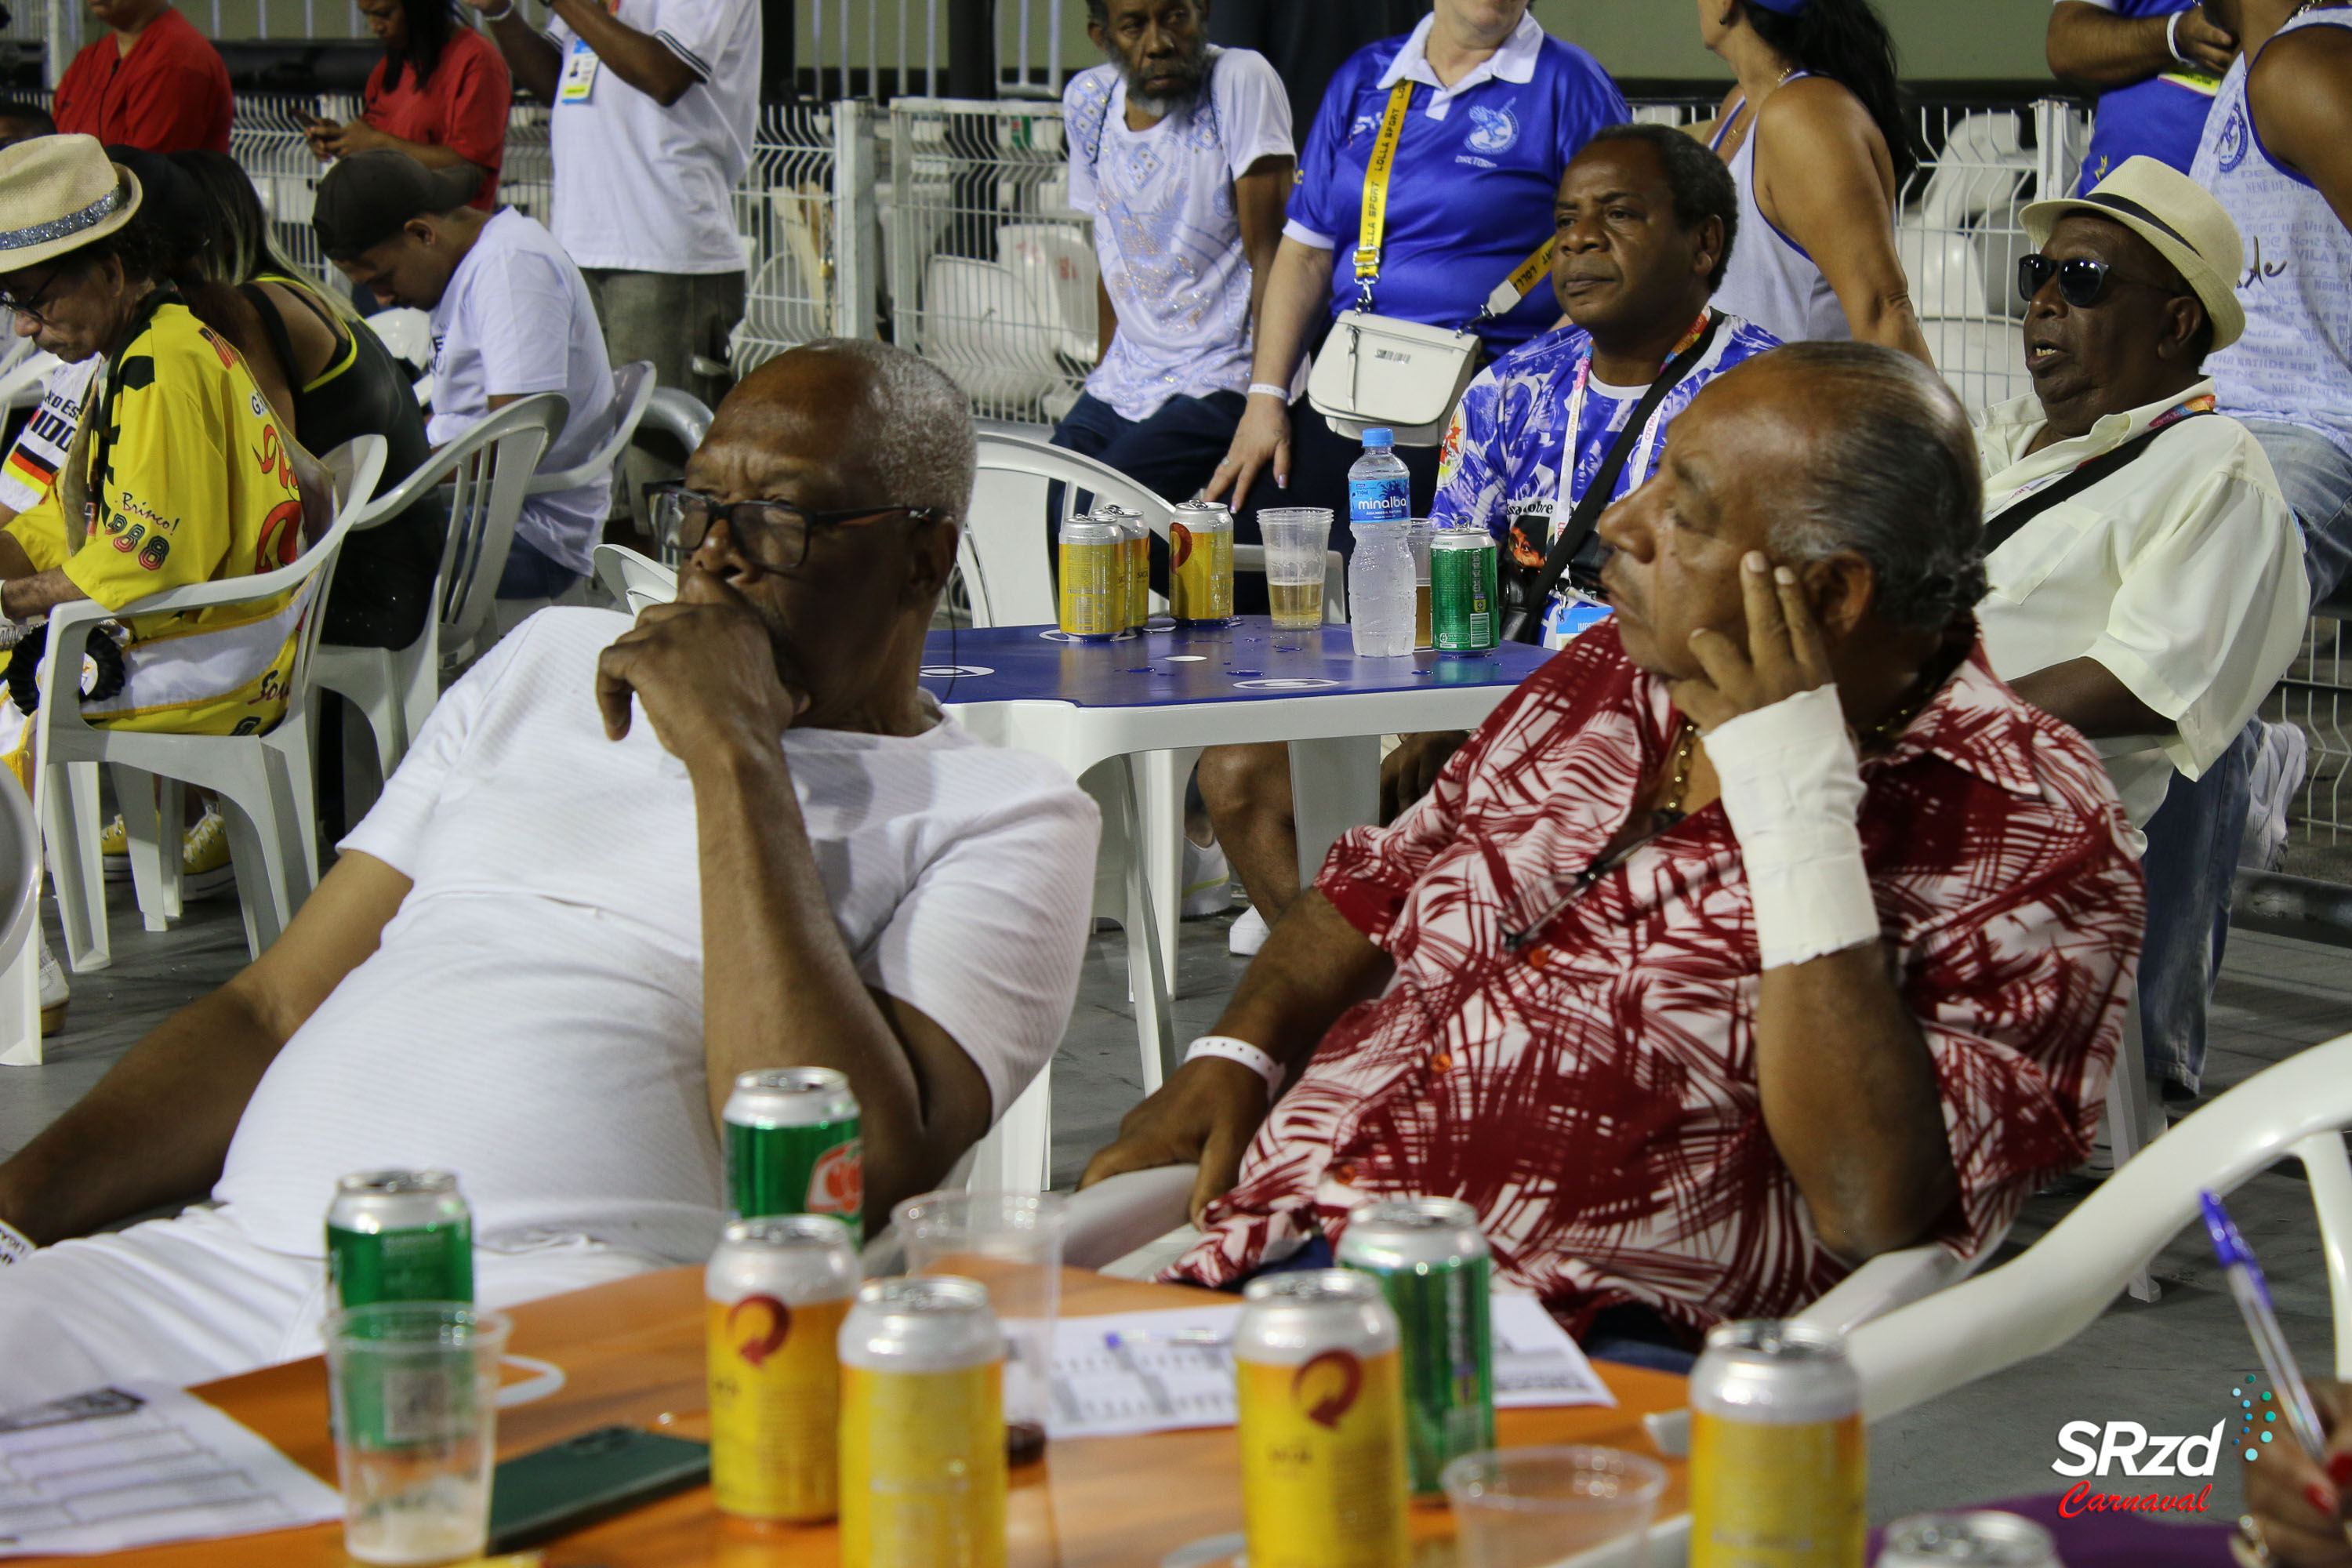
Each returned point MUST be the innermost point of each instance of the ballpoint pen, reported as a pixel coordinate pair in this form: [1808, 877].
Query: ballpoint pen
[2253, 1294]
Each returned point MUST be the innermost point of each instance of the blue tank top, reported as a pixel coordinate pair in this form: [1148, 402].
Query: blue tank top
[2294, 364]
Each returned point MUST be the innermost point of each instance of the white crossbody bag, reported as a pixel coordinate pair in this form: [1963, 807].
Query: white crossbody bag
[1379, 370]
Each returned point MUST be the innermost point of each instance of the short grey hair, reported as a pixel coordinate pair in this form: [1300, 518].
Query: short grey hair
[1894, 479]
[922, 445]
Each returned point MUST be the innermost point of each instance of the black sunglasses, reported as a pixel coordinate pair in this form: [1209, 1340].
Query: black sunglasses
[2082, 282]
[772, 532]
[34, 303]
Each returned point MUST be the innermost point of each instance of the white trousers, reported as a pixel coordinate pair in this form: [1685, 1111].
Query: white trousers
[187, 1300]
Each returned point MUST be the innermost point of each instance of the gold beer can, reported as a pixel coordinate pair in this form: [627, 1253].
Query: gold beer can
[1201, 565]
[922, 1427]
[1319, 1382]
[775, 1294]
[1094, 579]
[1134, 563]
[1777, 1471]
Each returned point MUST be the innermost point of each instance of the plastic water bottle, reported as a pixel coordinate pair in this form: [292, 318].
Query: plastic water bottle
[1380, 590]
[1380, 489]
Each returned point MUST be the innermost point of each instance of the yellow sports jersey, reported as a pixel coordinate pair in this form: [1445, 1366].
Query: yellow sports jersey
[190, 481]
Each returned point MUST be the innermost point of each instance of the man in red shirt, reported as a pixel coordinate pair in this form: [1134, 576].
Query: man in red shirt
[153, 82]
[1760, 931]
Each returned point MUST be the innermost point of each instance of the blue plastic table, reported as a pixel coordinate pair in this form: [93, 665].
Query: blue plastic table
[1094, 707]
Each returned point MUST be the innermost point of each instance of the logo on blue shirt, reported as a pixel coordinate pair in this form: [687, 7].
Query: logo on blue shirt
[1493, 129]
[2231, 147]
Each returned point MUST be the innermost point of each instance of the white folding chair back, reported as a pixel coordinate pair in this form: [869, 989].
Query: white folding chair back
[1004, 553]
[23, 373]
[263, 782]
[20, 925]
[396, 687]
[2053, 1290]
[633, 580]
[633, 389]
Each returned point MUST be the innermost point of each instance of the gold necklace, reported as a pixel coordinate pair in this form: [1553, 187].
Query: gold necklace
[1669, 809]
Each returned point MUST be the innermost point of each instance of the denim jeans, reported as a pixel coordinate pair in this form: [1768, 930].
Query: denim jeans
[2314, 474]
[2192, 859]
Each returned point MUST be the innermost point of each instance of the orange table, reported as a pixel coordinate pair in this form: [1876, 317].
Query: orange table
[631, 1353]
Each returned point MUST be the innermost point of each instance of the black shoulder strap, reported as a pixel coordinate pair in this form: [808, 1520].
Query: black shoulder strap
[2004, 525]
[1569, 537]
[273, 326]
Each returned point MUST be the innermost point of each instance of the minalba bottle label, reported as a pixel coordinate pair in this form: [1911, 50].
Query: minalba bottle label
[1323, 1461]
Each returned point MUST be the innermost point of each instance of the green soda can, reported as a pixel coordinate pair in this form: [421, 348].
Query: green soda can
[1465, 592]
[1432, 1262]
[399, 1235]
[793, 1146]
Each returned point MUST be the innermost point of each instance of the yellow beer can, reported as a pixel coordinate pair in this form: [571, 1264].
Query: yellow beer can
[1201, 565]
[922, 1427]
[775, 1294]
[1778, 1476]
[1094, 579]
[1320, 1389]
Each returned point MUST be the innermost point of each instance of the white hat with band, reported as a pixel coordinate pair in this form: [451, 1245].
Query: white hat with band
[58, 193]
[2173, 213]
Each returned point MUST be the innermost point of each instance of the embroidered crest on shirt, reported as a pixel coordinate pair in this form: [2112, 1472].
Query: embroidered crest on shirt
[2231, 148]
[1492, 130]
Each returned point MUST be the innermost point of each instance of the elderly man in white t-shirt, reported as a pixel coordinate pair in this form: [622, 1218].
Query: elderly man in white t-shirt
[510, 316]
[2145, 575]
[621, 866]
[1181, 152]
[653, 107]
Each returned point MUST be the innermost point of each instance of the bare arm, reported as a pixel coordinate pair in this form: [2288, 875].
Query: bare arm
[23, 597]
[1313, 967]
[1105, 320]
[2092, 48]
[1824, 179]
[14, 561]
[779, 988]
[1260, 196]
[329, 140]
[158, 1124]
[1295, 288]
[2296, 91]
[533, 62]
[642, 60]
[2088, 695]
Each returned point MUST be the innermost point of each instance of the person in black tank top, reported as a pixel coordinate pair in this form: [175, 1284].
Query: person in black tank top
[383, 590]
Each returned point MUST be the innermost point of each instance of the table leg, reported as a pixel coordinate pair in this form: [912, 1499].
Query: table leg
[1122, 892]
[1160, 777]
[1334, 785]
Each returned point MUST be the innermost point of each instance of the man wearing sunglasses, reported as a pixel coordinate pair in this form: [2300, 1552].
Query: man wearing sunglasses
[621, 865]
[2146, 579]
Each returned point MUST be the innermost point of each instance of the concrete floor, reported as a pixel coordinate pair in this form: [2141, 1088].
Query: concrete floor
[2165, 1365]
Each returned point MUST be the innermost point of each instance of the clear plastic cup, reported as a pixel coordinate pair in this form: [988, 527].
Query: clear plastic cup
[1011, 1243]
[1295, 539]
[1418, 535]
[414, 1387]
[1529, 1508]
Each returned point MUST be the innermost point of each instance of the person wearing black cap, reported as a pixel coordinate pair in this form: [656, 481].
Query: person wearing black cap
[511, 317]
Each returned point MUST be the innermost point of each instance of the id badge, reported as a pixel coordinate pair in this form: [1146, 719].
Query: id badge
[1571, 615]
[579, 67]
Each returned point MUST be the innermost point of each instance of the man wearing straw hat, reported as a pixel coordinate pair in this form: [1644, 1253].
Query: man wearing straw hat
[2146, 579]
[178, 472]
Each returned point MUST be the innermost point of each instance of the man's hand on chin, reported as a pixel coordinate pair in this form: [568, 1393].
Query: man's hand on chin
[704, 667]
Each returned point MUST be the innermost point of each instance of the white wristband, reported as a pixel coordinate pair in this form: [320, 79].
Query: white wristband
[1793, 792]
[1241, 1051]
[13, 1244]
[2172, 42]
[1267, 389]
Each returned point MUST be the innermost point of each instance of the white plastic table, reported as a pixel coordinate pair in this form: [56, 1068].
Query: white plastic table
[1096, 707]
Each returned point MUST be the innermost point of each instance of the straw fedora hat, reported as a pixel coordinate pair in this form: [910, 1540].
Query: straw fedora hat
[57, 194]
[2173, 213]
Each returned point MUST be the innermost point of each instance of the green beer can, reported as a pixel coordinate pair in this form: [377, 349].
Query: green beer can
[793, 1146]
[1465, 592]
[399, 1235]
[1430, 1259]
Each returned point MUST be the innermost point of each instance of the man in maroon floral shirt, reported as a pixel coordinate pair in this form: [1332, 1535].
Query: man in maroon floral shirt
[1760, 931]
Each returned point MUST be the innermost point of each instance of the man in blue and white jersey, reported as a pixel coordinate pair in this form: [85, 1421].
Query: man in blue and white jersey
[2155, 64]
[1645, 219]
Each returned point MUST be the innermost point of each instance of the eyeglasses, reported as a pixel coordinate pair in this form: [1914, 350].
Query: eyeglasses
[2082, 282]
[773, 534]
[34, 303]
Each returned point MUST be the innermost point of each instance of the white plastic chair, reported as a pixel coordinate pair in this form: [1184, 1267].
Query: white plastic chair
[633, 389]
[980, 324]
[2052, 1291]
[20, 924]
[263, 781]
[633, 579]
[395, 688]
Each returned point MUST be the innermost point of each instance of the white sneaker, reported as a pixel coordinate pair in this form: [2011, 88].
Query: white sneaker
[2273, 779]
[55, 993]
[1208, 881]
[1248, 934]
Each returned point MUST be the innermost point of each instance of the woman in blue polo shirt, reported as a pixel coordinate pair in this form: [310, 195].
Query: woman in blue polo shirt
[1498, 110]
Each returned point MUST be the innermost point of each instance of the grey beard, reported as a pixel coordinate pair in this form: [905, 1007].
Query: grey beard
[1161, 107]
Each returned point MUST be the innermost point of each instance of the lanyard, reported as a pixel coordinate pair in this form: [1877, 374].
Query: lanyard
[1372, 228]
[2172, 415]
[1639, 467]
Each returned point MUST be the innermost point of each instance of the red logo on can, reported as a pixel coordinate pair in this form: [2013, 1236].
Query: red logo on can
[1327, 1386]
[837, 1185]
[1179, 544]
[761, 1344]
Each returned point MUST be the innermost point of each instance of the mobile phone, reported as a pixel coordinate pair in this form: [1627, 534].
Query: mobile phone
[571, 1485]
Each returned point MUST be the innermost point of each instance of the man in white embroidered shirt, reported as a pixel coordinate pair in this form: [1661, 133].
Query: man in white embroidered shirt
[2145, 575]
[620, 865]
